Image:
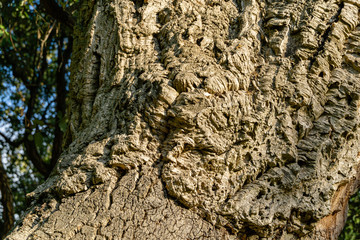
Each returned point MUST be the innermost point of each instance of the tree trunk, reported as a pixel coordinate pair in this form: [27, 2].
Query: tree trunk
[7, 207]
[207, 119]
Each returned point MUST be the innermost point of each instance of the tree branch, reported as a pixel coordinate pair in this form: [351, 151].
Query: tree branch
[6, 201]
[8, 140]
[35, 158]
[63, 58]
[58, 13]
[30, 146]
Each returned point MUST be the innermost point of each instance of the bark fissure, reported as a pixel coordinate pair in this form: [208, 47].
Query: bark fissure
[326, 34]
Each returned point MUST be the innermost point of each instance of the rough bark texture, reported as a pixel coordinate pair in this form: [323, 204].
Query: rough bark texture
[207, 119]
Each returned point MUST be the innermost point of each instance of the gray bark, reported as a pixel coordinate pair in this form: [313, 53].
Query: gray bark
[207, 119]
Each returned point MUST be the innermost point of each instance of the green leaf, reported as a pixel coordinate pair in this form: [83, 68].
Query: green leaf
[63, 125]
[38, 122]
[30, 137]
[38, 139]
[3, 31]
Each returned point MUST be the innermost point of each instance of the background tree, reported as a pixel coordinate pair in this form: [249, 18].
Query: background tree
[6, 202]
[35, 49]
[351, 229]
[239, 117]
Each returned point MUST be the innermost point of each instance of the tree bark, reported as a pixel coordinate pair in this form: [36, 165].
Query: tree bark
[194, 119]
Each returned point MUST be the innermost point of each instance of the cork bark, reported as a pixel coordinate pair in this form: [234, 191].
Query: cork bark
[206, 119]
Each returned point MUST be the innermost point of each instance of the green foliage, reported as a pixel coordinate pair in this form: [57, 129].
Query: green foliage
[23, 179]
[352, 228]
[24, 51]
[34, 59]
